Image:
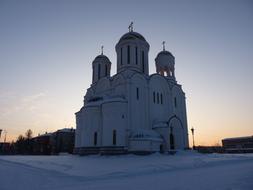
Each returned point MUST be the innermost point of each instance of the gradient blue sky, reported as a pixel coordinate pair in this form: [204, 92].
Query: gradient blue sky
[47, 47]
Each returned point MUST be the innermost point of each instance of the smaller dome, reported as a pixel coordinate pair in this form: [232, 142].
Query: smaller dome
[166, 53]
[132, 36]
[101, 58]
[165, 64]
[165, 58]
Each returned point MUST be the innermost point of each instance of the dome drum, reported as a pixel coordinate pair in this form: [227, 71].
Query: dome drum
[132, 53]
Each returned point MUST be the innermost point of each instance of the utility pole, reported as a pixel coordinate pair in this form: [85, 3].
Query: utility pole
[193, 143]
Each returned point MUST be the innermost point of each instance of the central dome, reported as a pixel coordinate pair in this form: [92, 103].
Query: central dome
[132, 36]
[132, 52]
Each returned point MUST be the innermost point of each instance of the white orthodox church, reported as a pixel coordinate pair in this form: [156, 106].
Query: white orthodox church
[132, 111]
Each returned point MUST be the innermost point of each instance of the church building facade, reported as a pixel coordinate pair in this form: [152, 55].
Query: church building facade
[132, 111]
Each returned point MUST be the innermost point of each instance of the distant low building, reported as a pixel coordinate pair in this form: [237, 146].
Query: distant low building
[209, 149]
[238, 144]
[63, 140]
[5, 148]
[59, 141]
[42, 144]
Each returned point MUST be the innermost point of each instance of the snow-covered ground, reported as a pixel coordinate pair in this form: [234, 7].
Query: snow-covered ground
[185, 170]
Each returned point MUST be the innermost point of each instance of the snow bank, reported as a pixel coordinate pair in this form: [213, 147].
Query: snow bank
[185, 170]
[95, 165]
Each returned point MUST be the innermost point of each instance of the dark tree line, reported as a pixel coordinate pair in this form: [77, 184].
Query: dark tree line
[46, 144]
[24, 144]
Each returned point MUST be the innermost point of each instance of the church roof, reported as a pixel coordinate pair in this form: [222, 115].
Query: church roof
[132, 36]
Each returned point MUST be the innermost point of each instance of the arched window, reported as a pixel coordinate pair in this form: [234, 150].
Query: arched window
[157, 95]
[161, 98]
[114, 138]
[154, 96]
[95, 138]
[136, 55]
[128, 54]
[175, 102]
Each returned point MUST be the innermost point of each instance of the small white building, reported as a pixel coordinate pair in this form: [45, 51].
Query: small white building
[132, 111]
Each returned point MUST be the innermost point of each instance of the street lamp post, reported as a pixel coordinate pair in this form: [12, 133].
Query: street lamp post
[0, 132]
[193, 143]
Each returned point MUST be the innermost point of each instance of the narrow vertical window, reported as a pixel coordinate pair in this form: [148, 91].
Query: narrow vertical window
[106, 70]
[161, 98]
[128, 54]
[172, 143]
[154, 97]
[137, 93]
[175, 102]
[95, 138]
[157, 97]
[121, 58]
[99, 68]
[142, 61]
[136, 55]
[114, 140]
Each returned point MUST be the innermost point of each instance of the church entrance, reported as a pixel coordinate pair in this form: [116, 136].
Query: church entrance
[176, 134]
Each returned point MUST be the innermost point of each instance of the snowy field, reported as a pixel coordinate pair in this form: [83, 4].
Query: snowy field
[185, 170]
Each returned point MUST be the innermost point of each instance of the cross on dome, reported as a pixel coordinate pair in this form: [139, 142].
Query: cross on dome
[130, 27]
[163, 45]
[102, 50]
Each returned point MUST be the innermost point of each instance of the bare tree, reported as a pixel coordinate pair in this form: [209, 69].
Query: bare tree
[28, 134]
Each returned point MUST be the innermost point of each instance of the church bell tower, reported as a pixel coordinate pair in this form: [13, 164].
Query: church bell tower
[101, 67]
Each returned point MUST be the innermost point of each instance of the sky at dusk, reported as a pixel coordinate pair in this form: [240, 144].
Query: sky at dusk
[47, 48]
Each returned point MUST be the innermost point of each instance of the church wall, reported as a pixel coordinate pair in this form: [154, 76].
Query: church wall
[144, 145]
[90, 123]
[102, 87]
[138, 102]
[185, 124]
[114, 118]
[89, 94]
[78, 130]
[179, 109]
[159, 107]
[119, 86]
